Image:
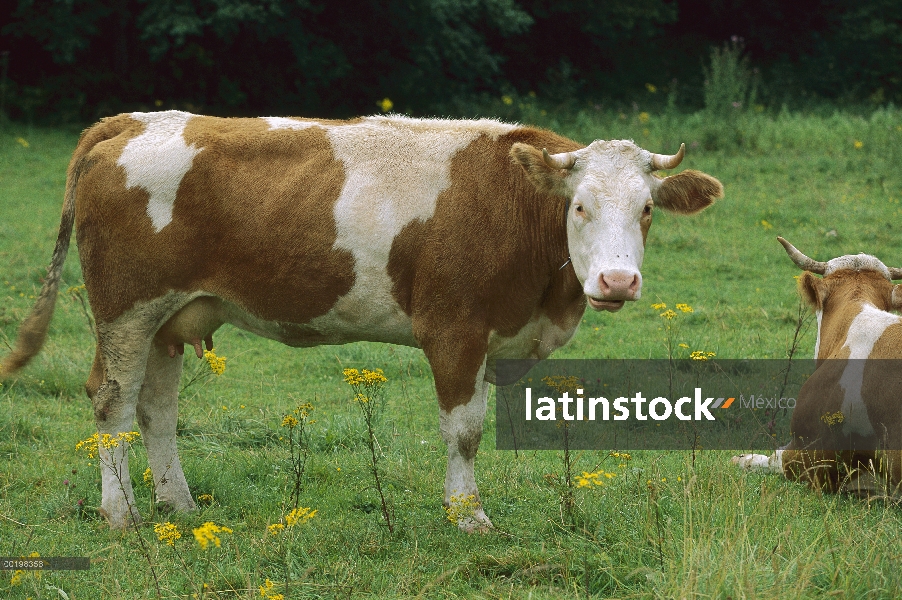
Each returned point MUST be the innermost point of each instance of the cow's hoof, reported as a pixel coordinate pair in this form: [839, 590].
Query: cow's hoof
[478, 523]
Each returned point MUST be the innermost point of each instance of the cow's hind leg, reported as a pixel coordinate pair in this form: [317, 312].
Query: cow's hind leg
[157, 413]
[113, 387]
[115, 383]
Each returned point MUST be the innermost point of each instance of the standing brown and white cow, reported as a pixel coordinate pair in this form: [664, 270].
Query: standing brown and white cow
[847, 424]
[464, 238]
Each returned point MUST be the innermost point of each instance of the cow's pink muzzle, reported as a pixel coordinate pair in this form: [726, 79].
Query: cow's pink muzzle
[617, 287]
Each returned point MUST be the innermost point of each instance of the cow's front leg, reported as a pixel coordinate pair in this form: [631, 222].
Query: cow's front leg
[462, 392]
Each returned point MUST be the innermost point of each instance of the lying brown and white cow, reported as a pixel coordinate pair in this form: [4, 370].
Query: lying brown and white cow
[464, 238]
[847, 424]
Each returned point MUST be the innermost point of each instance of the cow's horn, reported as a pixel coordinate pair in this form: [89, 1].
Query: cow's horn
[564, 160]
[895, 274]
[663, 161]
[802, 261]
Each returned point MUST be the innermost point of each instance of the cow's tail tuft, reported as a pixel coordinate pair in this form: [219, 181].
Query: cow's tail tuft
[33, 331]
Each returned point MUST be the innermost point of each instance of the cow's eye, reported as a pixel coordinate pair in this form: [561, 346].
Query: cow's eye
[579, 208]
[647, 209]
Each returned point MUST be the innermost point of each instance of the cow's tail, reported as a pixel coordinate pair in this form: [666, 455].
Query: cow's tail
[33, 331]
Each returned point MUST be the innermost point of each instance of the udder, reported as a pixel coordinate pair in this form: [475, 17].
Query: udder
[197, 321]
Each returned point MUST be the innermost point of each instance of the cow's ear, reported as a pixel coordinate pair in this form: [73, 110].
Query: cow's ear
[896, 297]
[687, 192]
[813, 290]
[546, 178]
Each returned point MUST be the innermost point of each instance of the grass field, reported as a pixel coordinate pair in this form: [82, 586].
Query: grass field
[665, 526]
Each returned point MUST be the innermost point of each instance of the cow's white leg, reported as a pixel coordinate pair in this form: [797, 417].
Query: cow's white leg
[773, 463]
[461, 428]
[157, 414]
[114, 403]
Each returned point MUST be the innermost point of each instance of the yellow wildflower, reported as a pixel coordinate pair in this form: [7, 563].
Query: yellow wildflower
[652, 88]
[88, 446]
[701, 355]
[168, 532]
[276, 528]
[766, 225]
[148, 477]
[858, 144]
[208, 498]
[668, 314]
[834, 418]
[562, 384]
[685, 308]
[462, 508]
[386, 105]
[589, 479]
[353, 377]
[266, 591]
[299, 516]
[658, 306]
[290, 422]
[206, 533]
[507, 100]
[644, 117]
[373, 377]
[217, 363]
[22, 142]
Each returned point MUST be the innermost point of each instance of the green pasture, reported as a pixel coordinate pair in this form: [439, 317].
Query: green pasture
[668, 525]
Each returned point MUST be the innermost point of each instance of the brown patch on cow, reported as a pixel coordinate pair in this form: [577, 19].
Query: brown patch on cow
[839, 296]
[489, 256]
[687, 192]
[252, 223]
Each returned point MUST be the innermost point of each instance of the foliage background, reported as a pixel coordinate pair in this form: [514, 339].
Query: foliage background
[77, 60]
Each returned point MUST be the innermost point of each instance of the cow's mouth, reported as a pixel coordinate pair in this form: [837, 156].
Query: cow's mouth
[609, 305]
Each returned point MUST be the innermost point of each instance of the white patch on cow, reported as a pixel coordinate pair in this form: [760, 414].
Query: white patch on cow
[395, 169]
[817, 344]
[866, 328]
[288, 123]
[157, 160]
[857, 263]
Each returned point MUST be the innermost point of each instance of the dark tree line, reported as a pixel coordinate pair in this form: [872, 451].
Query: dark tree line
[79, 59]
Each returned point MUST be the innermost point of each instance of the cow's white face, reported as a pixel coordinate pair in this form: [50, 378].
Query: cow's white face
[608, 221]
[612, 190]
